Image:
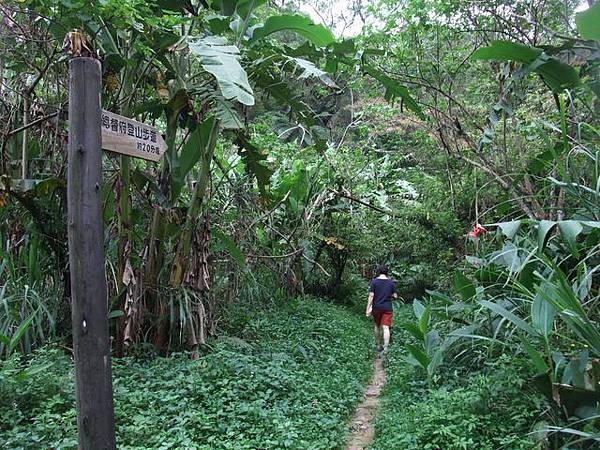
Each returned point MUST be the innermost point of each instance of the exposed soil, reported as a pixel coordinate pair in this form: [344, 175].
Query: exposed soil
[362, 427]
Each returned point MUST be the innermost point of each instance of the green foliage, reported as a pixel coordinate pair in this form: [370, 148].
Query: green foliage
[464, 286]
[486, 409]
[307, 191]
[27, 316]
[290, 379]
[222, 61]
[556, 74]
[587, 22]
[394, 89]
[292, 186]
[317, 34]
[201, 142]
[229, 244]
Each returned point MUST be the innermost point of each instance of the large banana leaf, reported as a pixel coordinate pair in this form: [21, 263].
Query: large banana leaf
[317, 34]
[221, 60]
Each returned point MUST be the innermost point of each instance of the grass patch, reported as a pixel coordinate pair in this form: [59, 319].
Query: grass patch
[290, 379]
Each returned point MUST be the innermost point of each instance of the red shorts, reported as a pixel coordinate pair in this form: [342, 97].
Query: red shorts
[382, 317]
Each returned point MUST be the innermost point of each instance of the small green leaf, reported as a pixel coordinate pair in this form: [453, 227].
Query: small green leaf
[418, 354]
[20, 331]
[37, 369]
[570, 229]
[424, 320]
[542, 312]
[116, 313]
[195, 146]
[443, 298]
[418, 308]
[431, 338]
[394, 89]
[414, 330]
[510, 229]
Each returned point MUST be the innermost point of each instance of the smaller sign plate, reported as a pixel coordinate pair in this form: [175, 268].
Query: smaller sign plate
[130, 137]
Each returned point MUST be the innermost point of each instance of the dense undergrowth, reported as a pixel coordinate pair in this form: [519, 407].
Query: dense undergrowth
[297, 161]
[488, 408]
[290, 379]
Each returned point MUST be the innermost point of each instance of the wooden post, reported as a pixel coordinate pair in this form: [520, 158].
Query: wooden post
[93, 379]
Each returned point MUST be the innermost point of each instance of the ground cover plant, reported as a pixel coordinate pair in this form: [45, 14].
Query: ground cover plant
[489, 408]
[307, 142]
[291, 379]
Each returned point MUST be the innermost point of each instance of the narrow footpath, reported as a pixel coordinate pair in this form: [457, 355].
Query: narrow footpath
[362, 427]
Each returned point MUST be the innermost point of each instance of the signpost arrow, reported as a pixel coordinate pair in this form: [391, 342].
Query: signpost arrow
[130, 137]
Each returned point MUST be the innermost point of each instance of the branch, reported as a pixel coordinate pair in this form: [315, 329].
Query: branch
[354, 199]
[41, 74]
[315, 263]
[267, 214]
[31, 124]
[287, 255]
[508, 187]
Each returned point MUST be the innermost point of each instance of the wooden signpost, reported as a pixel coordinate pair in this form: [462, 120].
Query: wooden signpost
[89, 305]
[90, 130]
[130, 137]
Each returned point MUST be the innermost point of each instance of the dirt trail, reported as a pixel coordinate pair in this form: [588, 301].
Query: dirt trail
[362, 427]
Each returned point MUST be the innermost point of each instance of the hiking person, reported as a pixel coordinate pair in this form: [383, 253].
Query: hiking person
[381, 291]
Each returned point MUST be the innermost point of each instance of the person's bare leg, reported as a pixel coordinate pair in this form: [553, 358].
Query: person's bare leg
[377, 336]
[386, 336]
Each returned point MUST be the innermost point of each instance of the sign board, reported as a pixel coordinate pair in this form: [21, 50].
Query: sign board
[130, 137]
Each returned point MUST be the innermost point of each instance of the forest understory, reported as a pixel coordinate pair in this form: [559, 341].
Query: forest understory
[197, 260]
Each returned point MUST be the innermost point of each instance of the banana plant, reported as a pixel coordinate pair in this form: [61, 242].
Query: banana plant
[195, 72]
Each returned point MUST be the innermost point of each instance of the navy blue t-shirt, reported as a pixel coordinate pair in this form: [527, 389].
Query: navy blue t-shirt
[383, 289]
